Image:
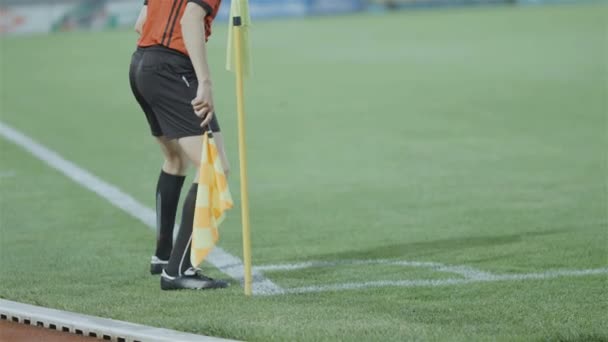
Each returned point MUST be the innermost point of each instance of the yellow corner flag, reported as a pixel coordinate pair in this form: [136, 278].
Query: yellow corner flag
[239, 61]
[212, 200]
[239, 9]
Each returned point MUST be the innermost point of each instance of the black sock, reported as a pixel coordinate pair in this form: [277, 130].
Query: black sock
[180, 256]
[168, 190]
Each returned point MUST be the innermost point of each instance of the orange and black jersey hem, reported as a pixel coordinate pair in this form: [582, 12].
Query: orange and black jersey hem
[201, 3]
[162, 23]
[175, 10]
[208, 9]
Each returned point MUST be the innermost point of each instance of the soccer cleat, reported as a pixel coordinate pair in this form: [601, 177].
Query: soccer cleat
[157, 265]
[192, 279]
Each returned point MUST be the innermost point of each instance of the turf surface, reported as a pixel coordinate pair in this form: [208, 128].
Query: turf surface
[467, 137]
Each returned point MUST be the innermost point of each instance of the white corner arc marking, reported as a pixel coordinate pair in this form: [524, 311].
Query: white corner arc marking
[219, 258]
[467, 275]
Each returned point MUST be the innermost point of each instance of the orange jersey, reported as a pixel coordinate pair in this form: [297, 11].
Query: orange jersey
[162, 26]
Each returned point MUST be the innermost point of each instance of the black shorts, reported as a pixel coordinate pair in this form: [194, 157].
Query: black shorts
[164, 84]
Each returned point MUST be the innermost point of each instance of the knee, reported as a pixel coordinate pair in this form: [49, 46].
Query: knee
[176, 164]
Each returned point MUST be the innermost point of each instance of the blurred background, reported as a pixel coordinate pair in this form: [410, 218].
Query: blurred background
[41, 16]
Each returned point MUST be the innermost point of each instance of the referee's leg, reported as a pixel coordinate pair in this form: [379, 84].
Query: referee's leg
[180, 273]
[180, 258]
[168, 84]
[172, 174]
[168, 190]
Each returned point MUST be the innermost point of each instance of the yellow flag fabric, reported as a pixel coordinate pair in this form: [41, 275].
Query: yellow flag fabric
[213, 198]
[239, 8]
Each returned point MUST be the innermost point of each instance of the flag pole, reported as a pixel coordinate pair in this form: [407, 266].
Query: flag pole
[240, 106]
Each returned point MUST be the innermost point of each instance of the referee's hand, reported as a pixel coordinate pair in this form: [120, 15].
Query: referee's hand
[203, 103]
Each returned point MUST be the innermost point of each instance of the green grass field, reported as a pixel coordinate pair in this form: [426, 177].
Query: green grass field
[471, 137]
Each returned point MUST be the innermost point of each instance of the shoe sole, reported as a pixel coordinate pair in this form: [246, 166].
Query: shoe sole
[167, 285]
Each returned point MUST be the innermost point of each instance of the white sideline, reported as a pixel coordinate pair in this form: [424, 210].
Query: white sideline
[233, 266]
[224, 261]
[101, 328]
